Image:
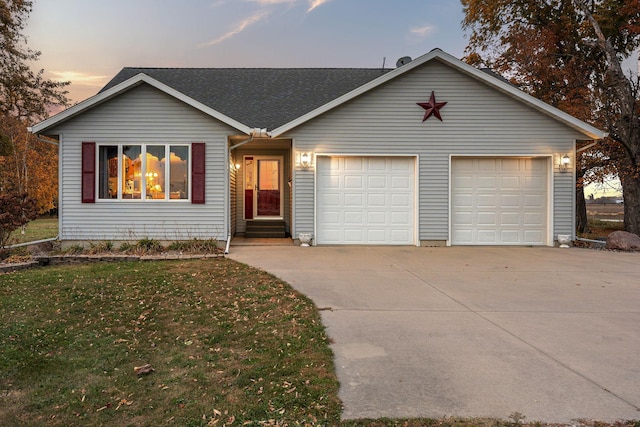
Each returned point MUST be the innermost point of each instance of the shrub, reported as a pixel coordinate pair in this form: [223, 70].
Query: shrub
[195, 246]
[100, 247]
[149, 246]
[16, 210]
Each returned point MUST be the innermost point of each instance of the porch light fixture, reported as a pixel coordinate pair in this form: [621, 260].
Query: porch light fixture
[305, 160]
[237, 166]
[565, 162]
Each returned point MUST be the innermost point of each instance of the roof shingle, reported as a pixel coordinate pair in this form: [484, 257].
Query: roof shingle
[259, 97]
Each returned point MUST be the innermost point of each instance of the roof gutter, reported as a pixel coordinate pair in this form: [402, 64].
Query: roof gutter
[44, 139]
[586, 147]
[255, 133]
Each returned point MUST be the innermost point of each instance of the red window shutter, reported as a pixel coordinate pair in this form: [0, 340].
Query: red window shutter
[88, 172]
[197, 172]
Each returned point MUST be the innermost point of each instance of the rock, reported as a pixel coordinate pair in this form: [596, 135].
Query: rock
[623, 241]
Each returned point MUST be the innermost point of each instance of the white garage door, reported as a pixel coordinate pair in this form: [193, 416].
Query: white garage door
[365, 200]
[499, 201]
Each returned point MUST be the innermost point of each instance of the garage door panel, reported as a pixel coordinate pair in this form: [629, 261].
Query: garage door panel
[376, 181]
[352, 182]
[485, 182]
[352, 218]
[462, 219]
[487, 218]
[534, 182]
[510, 201]
[510, 237]
[487, 237]
[400, 218]
[330, 217]
[532, 237]
[401, 182]
[533, 201]
[352, 200]
[510, 165]
[352, 235]
[461, 182]
[400, 236]
[487, 165]
[376, 218]
[463, 200]
[510, 183]
[533, 219]
[509, 218]
[402, 200]
[375, 163]
[376, 198]
[376, 236]
[499, 201]
[486, 200]
[352, 164]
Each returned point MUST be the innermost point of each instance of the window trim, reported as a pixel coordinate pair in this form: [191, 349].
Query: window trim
[143, 167]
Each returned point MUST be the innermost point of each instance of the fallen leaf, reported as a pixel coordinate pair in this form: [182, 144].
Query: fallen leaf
[143, 370]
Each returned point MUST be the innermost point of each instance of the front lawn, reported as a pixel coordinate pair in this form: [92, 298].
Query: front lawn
[228, 345]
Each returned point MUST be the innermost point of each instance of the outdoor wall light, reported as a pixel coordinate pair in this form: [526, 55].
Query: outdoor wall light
[237, 166]
[565, 162]
[305, 160]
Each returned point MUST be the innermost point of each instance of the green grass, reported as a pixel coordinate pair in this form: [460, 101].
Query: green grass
[601, 229]
[227, 342]
[41, 228]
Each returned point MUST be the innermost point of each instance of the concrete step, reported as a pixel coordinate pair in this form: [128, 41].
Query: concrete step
[266, 229]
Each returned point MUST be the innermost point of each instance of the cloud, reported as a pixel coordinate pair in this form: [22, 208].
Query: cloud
[79, 78]
[315, 3]
[258, 16]
[270, 2]
[243, 25]
[421, 32]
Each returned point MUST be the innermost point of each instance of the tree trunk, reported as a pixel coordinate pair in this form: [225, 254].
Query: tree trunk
[631, 193]
[582, 222]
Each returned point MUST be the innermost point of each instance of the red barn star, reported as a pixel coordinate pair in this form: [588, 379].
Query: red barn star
[432, 108]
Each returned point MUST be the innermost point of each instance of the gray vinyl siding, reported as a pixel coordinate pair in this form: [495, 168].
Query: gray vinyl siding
[143, 115]
[478, 120]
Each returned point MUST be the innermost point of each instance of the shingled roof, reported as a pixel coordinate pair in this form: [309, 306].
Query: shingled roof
[258, 97]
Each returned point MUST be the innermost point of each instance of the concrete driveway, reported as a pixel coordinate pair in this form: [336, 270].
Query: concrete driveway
[553, 334]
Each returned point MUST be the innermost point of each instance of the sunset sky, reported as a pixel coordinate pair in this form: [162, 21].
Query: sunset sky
[89, 41]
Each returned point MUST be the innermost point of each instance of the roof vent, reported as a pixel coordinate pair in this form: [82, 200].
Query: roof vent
[402, 61]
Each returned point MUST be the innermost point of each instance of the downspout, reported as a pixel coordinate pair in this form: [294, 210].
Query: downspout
[35, 242]
[255, 132]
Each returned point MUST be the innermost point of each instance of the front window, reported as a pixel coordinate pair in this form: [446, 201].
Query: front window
[142, 172]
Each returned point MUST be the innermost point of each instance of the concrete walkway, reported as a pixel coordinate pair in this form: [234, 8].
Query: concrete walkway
[474, 331]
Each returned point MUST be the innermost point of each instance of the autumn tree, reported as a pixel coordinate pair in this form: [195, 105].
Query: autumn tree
[26, 163]
[569, 54]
